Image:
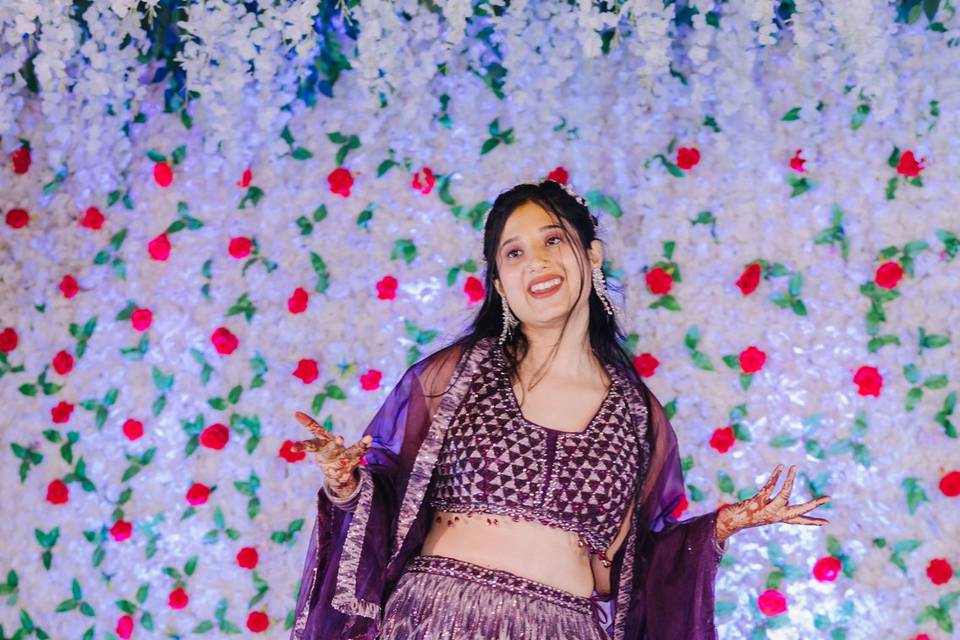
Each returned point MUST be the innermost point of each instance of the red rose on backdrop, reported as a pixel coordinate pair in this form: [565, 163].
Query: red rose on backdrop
[681, 507]
[646, 364]
[257, 621]
[771, 602]
[121, 530]
[223, 341]
[124, 628]
[423, 186]
[687, 157]
[17, 218]
[247, 558]
[340, 181]
[659, 281]
[939, 571]
[474, 289]
[69, 286]
[62, 362]
[240, 247]
[827, 568]
[297, 303]
[749, 279]
[215, 436]
[868, 381]
[8, 340]
[159, 247]
[141, 319]
[908, 164]
[163, 174]
[559, 175]
[888, 275]
[92, 219]
[387, 288]
[57, 492]
[306, 370]
[950, 484]
[198, 494]
[244, 181]
[288, 454]
[722, 439]
[178, 598]
[922, 636]
[132, 429]
[20, 158]
[796, 162]
[752, 359]
[61, 412]
[370, 381]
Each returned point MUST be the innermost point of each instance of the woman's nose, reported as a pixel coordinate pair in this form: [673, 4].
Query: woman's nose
[538, 258]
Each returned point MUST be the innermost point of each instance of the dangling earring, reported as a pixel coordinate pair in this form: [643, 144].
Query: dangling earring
[509, 322]
[601, 288]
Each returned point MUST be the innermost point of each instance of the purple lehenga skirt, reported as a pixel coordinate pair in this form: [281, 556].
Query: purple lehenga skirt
[441, 598]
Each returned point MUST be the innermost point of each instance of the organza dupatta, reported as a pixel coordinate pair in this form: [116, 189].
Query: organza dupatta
[662, 577]
[357, 551]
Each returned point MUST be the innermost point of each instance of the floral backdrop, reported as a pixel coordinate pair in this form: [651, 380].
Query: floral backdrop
[217, 213]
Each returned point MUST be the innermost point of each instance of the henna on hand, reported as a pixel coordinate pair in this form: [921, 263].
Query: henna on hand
[761, 509]
[339, 464]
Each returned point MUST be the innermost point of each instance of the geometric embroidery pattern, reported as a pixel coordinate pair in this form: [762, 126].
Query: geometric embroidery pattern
[495, 461]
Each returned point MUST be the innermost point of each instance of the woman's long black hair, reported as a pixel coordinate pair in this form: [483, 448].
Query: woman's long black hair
[606, 336]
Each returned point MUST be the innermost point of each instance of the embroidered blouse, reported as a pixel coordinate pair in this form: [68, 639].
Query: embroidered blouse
[662, 576]
[494, 460]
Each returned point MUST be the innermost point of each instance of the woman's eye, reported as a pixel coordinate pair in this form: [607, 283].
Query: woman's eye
[510, 253]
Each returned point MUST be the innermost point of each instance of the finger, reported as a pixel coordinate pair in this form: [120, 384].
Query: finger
[313, 444]
[770, 483]
[311, 424]
[358, 448]
[784, 493]
[808, 506]
[807, 520]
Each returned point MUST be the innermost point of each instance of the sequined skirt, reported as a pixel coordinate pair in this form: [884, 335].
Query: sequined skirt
[441, 598]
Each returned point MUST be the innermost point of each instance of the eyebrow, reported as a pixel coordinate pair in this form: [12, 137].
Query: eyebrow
[509, 240]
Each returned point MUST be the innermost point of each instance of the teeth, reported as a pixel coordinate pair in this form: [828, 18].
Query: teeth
[543, 286]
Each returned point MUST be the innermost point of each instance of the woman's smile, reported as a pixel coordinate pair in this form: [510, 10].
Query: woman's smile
[537, 290]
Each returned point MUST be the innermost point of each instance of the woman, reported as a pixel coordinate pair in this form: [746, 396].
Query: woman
[471, 519]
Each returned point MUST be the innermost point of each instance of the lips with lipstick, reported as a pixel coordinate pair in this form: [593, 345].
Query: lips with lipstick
[544, 286]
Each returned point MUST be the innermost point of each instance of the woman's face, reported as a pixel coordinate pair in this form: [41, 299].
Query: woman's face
[532, 246]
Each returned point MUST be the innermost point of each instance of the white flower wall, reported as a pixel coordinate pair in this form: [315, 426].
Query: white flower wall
[777, 199]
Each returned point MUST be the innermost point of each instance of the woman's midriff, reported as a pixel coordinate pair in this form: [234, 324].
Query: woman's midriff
[526, 548]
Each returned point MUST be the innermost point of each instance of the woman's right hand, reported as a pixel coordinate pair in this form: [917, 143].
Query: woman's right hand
[338, 463]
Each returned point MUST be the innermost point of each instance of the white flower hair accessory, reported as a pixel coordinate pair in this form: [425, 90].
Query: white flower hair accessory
[577, 197]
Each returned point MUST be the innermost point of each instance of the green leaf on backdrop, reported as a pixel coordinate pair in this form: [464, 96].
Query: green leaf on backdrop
[320, 268]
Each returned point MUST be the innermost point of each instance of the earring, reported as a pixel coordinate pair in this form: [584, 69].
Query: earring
[509, 322]
[601, 288]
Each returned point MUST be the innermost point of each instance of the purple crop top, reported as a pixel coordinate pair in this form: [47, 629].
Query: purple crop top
[495, 461]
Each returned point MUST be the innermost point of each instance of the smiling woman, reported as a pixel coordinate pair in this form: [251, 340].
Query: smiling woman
[484, 512]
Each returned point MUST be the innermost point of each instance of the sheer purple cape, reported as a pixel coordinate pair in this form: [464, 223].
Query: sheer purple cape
[662, 576]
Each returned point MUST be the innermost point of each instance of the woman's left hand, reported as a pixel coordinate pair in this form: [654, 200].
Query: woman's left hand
[761, 509]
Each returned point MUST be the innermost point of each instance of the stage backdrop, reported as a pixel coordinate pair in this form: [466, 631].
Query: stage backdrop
[218, 213]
